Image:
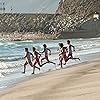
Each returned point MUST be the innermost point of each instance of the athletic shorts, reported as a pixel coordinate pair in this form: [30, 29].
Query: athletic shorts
[28, 62]
[70, 55]
[62, 56]
[36, 60]
[46, 57]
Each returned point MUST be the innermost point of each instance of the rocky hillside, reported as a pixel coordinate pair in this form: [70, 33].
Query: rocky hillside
[23, 22]
[37, 23]
[82, 8]
[68, 17]
[79, 11]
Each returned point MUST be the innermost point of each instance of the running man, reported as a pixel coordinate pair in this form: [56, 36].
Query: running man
[70, 51]
[62, 54]
[45, 51]
[28, 56]
[36, 59]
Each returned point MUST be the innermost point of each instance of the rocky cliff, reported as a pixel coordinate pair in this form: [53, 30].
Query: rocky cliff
[79, 11]
[82, 8]
[44, 23]
[23, 22]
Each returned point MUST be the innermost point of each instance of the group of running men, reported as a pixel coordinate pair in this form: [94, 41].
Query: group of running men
[65, 53]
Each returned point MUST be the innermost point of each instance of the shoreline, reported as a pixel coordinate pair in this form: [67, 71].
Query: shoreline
[28, 36]
[47, 77]
[21, 36]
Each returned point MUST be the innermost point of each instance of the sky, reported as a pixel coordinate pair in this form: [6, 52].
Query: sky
[30, 6]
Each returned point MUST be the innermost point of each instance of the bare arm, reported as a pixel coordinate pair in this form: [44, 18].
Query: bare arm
[66, 49]
[25, 55]
[49, 51]
[43, 51]
[38, 53]
[61, 51]
[32, 55]
[73, 47]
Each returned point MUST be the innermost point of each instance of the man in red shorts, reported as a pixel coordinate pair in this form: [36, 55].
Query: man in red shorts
[28, 59]
[62, 54]
[35, 59]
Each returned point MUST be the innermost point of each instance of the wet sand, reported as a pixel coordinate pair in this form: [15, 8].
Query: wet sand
[79, 82]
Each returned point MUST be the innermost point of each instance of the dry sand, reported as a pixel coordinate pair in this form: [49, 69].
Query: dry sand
[80, 82]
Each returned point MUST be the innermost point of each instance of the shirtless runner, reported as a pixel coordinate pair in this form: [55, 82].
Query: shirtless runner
[28, 59]
[62, 54]
[45, 51]
[35, 59]
[70, 51]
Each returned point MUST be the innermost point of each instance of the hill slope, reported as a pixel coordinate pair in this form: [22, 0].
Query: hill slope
[82, 8]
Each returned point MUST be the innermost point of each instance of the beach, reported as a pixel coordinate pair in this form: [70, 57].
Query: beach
[78, 82]
[50, 51]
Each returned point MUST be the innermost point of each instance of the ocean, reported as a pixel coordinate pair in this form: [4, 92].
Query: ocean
[11, 52]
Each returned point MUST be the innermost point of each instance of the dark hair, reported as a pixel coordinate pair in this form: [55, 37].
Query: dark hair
[44, 45]
[34, 49]
[26, 49]
[61, 45]
[68, 41]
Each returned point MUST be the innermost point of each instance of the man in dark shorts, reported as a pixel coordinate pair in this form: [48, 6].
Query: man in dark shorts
[70, 51]
[45, 51]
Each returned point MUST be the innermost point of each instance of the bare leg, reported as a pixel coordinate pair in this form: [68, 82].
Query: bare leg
[61, 63]
[71, 57]
[37, 68]
[51, 62]
[24, 68]
[39, 64]
[42, 60]
[33, 69]
[44, 63]
[66, 60]
[48, 62]
[76, 58]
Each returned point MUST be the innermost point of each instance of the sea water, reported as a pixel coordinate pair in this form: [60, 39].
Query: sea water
[11, 52]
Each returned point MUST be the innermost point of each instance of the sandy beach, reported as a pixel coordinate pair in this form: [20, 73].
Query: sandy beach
[79, 82]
